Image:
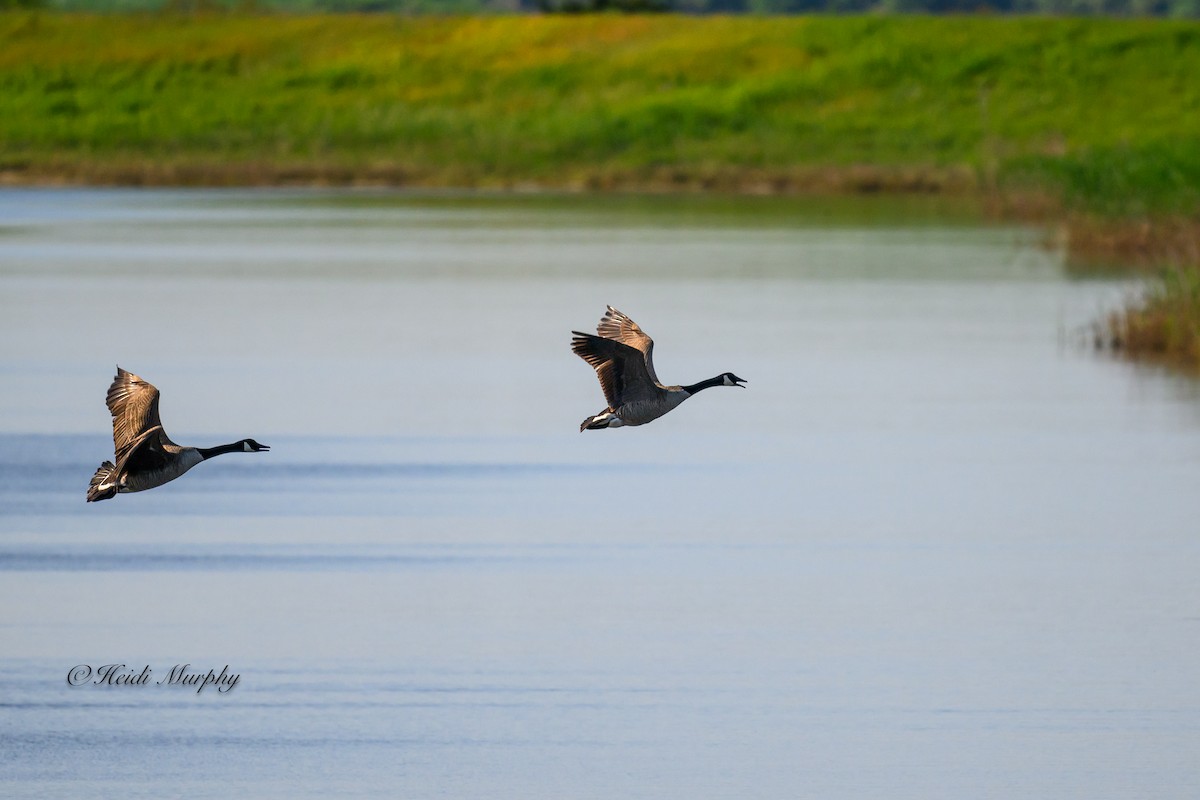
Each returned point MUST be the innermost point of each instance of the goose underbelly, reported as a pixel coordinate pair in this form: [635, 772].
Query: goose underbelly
[642, 411]
[148, 479]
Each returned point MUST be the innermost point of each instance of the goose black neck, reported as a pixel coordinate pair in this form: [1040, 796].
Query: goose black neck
[695, 387]
[220, 450]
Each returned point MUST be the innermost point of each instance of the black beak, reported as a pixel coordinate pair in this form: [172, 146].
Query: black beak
[738, 382]
[262, 448]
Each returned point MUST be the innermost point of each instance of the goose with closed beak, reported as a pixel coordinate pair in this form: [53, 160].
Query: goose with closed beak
[622, 355]
[145, 456]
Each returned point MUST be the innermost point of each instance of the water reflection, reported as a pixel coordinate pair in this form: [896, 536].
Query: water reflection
[381, 236]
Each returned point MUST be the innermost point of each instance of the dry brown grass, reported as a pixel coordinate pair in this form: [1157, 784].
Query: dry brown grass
[854, 179]
[1164, 325]
[1143, 243]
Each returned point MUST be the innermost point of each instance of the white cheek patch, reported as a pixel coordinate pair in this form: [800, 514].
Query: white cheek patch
[727, 381]
[246, 447]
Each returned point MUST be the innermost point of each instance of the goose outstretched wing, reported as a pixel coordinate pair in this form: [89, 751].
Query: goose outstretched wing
[133, 404]
[621, 369]
[620, 328]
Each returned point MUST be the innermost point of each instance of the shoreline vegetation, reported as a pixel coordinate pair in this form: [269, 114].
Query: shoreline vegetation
[1089, 126]
[1163, 326]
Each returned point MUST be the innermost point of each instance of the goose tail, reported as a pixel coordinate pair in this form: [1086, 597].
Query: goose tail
[104, 483]
[605, 419]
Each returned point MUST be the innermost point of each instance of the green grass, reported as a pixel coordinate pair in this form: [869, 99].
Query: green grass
[1097, 120]
[1104, 114]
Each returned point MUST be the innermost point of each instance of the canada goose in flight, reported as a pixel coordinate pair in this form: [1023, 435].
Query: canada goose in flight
[145, 456]
[623, 357]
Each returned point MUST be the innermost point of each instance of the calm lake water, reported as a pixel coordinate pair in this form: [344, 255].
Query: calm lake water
[934, 550]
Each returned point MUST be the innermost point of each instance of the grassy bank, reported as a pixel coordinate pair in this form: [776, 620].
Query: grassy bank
[1164, 325]
[1091, 124]
[1101, 115]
